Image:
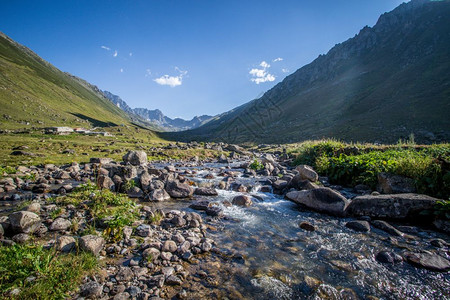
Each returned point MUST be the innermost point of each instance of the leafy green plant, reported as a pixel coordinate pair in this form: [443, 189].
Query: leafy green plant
[56, 213]
[156, 218]
[54, 275]
[256, 165]
[129, 185]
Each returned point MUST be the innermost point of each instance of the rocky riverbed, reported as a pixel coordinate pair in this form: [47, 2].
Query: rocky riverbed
[223, 230]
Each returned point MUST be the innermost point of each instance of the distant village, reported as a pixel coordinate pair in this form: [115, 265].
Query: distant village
[69, 130]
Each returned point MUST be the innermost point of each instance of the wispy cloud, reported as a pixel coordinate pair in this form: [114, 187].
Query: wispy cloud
[115, 53]
[148, 72]
[106, 48]
[171, 81]
[260, 75]
[277, 59]
[121, 70]
[285, 70]
[131, 54]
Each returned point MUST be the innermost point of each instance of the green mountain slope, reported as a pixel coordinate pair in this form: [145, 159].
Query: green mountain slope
[385, 83]
[33, 93]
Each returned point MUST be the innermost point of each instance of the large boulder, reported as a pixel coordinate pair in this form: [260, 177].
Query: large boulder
[60, 224]
[242, 200]
[179, 190]
[105, 182]
[307, 173]
[205, 191]
[158, 195]
[395, 184]
[433, 262]
[92, 243]
[135, 158]
[24, 222]
[393, 206]
[321, 199]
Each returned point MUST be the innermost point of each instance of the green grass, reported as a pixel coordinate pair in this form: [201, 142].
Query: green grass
[55, 274]
[352, 164]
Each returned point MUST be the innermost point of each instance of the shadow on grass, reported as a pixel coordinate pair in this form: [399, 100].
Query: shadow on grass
[95, 122]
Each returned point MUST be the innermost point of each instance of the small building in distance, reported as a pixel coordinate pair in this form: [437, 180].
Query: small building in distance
[58, 130]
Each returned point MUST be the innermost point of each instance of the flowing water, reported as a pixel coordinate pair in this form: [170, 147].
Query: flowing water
[270, 257]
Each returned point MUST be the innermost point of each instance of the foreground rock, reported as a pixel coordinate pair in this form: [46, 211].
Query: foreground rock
[92, 243]
[242, 200]
[321, 199]
[307, 173]
[393, 206]
[428, 261]
[135, 158]
[24, 222]
[179, 190]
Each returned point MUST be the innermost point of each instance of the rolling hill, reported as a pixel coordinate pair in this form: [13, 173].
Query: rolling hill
[35, 94]
[386, 83]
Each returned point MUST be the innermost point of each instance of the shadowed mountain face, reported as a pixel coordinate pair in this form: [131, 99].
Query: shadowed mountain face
[156, 117]
[33, 93]
[383, 84]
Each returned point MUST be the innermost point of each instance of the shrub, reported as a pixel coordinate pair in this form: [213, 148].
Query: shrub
[256, 165]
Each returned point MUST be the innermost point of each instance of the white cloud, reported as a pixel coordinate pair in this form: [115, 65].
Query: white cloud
[106, 48]
[121, 70]
[115, 53]
[277, 59]
[148, 72]
[131, 53]
[261, 75]
[285, 70]
[171, 81]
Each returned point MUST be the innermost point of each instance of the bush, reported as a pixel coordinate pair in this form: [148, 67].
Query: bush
[256, 165]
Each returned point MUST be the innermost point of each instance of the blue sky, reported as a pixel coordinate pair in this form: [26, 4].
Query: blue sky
[188, 57]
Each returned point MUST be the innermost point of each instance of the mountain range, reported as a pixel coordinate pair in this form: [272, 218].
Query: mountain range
[387, 82]
[156, 117]
[384, 84]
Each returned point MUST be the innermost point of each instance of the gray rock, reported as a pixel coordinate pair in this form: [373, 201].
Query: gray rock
[34, 207]
[146, 180]
[104, 182]
[307, 173]
[151, 252]
[395, 184]
[135, 158]
[125, 274]
[135, 192]
[388, 257]
[213, 211]
[280, 184]
[242, 200]
[173, 280]
[307, 226]
[65, 243]
[200, 205]
[144, 230]
[385, 226]
[204, 191]
[442, 225]
[21, 238]
[24, 222]
[91, 289]
[321, 199]
[60, 224]
[394, 206]
[92, 243]
[158, 195]
[361, 226]
[433, 262]
[2, 231]
[179, 190]
[169, 246]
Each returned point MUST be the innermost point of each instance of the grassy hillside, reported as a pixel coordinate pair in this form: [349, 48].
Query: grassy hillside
[33, 93]
[386, 83]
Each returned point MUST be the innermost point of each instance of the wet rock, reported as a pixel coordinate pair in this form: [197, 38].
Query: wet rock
[266, 189]
[60, 224]
[433, 262]
[395, 184]
[438, 243]
[214, 211]
[321, 199]
[387, 257]
[200, 205]
[91, 289]
[385, 226]
[242, 200]
[394, 206]
[65, 243]
[179, 190]
[280, 184]
[307, 173]
[204, 191]
[135, 158]
[92, 243]
[307, 226]
[361, 226]
[24, 222]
